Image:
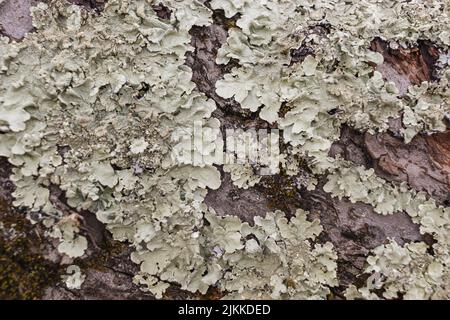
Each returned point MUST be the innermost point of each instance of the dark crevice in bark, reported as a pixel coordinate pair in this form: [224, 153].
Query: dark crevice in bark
[128, 274]
[6, 185]
[94, 229]
[299, 54]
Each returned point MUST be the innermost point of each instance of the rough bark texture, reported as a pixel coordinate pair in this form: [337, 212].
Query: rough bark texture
[26, 257]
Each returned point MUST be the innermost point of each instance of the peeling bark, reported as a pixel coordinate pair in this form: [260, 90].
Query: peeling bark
[407, 66]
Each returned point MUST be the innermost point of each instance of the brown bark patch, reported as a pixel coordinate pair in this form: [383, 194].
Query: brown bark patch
[439, 147]
[355, 229]
[405, 66]
[243, 203]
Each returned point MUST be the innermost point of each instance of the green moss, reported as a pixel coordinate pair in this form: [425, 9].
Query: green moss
[24, 274]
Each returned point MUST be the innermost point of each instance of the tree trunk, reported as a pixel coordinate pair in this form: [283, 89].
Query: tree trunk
[30, 266]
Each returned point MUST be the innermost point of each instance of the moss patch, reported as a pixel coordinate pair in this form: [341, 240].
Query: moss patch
[24, 273]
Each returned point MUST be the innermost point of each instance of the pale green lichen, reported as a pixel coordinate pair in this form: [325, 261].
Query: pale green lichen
[73, 278]
[113, 92]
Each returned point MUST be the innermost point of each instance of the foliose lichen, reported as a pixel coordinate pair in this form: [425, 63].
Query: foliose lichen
[114, 91]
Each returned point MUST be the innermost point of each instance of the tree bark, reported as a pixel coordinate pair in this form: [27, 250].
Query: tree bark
[30, 267]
